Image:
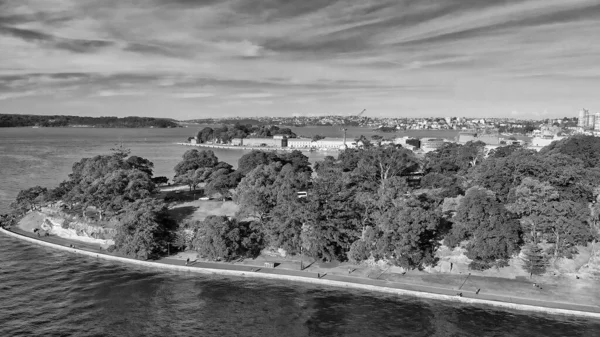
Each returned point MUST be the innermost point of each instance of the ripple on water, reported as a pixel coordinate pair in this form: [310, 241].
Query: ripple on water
[47, 292]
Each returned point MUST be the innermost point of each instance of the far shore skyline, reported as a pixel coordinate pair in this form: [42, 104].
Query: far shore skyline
[199, 59]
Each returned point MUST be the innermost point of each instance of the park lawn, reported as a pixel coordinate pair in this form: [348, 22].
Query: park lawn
[200, 209]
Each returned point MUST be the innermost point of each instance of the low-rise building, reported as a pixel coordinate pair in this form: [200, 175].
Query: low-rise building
[431, 144]
[264, 142]
[299, 143]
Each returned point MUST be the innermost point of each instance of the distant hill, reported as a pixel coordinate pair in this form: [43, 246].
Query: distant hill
[226, 121]
[7, 121]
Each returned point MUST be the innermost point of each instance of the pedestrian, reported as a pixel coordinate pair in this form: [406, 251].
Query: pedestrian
[187, 261]
[477, 292]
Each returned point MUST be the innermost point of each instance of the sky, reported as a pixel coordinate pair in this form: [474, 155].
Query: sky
[188, 59]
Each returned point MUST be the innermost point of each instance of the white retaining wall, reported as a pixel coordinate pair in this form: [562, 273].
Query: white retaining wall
[319, 281]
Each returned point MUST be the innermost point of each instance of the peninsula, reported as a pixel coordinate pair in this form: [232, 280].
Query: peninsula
[509, 225]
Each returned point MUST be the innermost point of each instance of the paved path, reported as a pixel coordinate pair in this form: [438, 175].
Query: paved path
[334, 277]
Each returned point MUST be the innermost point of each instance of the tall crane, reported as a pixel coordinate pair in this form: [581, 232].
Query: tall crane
[344, 128]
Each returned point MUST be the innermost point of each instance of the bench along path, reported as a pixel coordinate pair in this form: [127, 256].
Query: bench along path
[323, 278]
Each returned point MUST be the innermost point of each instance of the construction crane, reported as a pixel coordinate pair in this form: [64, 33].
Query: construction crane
[344, 128]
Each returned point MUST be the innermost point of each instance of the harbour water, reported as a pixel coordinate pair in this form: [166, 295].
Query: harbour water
[44, 156]
[52, 293]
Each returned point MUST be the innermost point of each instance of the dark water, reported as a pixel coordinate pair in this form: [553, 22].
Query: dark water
[50, 293]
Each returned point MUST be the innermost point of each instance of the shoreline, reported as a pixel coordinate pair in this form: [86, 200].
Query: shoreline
[234, 147]
[289, 275]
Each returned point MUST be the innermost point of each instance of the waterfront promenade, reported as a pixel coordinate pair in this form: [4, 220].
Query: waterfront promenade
[241, 147]
[341, 277]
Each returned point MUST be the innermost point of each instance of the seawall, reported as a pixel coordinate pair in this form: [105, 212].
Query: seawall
[233, 147]
[320, 281]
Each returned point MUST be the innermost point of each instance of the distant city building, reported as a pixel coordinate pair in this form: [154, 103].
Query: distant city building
[588, 121]
[431, 144]
[408, 142]
[487, 138]
[583, 113]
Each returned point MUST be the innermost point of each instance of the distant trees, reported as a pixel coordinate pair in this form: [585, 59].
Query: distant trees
[224, 134]
[7, 120]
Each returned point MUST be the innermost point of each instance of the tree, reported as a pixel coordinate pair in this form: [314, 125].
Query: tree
[530, 203]
[255, 158]
[194, 159]
[140, 164]
[29, 199]
[195, 167]
[162, 180]
[548, 216]
[569, 227]
[585, 148]
[145, 230]
[119, 188]
[317, 137]
[297, 160]
[377, 165]
[218, 237]
[331, 219]
[222, 182]
[258, 192]
[404, 233]
[534, 260]
[492, 232]
[205, 135]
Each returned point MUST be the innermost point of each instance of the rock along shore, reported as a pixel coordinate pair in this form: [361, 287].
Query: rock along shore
[298, 276]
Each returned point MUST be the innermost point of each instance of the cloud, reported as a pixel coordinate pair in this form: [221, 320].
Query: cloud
[193, 95]
[255, 95]
[397, 56]
[111, 93]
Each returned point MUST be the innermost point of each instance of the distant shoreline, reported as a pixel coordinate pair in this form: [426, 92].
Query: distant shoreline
[233, 147]
[306, 277]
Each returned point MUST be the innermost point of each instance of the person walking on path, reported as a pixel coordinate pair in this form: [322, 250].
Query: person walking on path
[187, 261]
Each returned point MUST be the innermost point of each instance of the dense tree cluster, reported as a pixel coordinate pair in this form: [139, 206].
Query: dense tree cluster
[225, 134]
[372, 203]
[364, 205]
[99, 122]
[118, 186]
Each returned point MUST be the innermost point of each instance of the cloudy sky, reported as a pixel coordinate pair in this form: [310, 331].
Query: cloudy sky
[203, 58]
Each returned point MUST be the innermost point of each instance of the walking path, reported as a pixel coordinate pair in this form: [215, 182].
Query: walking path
[326, 276]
